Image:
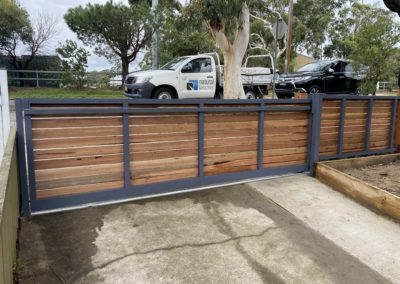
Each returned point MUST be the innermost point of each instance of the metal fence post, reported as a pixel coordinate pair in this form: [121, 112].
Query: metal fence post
[37, 79]
[316, 111]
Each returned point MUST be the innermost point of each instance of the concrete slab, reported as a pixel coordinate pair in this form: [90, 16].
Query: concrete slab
[366, 235]
[229, 235]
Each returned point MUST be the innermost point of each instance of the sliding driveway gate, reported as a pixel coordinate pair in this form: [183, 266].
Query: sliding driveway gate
[76, 152]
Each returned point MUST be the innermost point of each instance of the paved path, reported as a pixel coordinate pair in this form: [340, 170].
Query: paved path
[235, 234]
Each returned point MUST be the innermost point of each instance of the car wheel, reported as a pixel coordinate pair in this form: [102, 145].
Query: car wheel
[163, 94]
[250, 95]
[314, 89]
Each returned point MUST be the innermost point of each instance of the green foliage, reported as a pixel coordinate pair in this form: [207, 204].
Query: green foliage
[343, 29]
[221, 15]
[312, 19]
[74, 63]
[375, 45]
[100, 79]
[113, 29]
[14, 27]
[181, 31]
[181, 34]
[369, 36]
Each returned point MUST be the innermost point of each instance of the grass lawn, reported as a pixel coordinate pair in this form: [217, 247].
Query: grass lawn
[65, 93]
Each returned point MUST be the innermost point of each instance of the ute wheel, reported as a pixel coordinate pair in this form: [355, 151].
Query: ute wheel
[163, 94]
[219, 95]
[250, 95]
[314, 89]
[282, 96]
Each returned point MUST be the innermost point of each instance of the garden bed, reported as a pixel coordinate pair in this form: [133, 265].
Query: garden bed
[384, 176]
[373, 181]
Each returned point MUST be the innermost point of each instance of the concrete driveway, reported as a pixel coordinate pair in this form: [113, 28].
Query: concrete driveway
[236, 234]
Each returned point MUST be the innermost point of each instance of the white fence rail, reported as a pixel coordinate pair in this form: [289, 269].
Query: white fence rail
[386, 86]
[4, 112]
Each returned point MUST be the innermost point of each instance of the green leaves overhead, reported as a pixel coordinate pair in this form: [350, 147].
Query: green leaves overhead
[221, 15]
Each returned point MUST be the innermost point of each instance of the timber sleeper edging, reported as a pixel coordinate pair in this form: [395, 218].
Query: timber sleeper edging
[369, 195]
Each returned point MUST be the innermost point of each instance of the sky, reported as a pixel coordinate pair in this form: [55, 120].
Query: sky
[57, 8]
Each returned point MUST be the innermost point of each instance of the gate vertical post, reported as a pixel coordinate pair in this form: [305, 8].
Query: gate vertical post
[368, 125]
[127, 158]
[22, 158]
[316, 111]
[393, 124]
[397, 127]
[260, 149]
[30, 158]
[201, 141]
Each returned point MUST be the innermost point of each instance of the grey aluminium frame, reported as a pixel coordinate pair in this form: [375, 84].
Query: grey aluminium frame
[367, 151]
[127, 107]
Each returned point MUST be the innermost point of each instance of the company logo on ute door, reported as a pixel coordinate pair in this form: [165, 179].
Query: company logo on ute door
[193, 85]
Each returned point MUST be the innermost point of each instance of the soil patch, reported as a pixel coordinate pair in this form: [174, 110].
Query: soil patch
[384, 176]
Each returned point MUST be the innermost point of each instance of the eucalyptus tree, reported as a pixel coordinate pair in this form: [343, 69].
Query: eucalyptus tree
[229, 24]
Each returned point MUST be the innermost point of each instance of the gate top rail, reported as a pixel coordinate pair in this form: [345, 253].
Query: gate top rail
[163, 110]
[52, 101]
[353, 97]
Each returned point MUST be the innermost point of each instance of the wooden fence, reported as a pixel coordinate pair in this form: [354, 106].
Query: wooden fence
[85, 151]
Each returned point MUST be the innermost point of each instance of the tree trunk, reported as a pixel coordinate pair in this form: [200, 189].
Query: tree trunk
[233, 87]
[125, 69]
[233, 56]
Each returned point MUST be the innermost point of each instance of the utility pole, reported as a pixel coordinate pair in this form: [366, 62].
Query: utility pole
[276, 36]
[154, 42]
[289, 37]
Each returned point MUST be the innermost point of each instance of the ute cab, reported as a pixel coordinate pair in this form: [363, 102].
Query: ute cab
[183, 77]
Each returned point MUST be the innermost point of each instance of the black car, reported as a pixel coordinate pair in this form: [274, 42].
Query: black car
[324, 76]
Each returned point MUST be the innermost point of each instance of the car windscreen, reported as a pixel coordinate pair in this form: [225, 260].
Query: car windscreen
[174, 64]
[315, 66]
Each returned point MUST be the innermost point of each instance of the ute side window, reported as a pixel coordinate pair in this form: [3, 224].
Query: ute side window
[199, 65]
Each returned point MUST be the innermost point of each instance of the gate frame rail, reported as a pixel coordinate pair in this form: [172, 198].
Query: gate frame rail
[32, 206]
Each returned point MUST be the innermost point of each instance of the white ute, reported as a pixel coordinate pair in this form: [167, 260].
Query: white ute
[193, 77]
